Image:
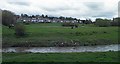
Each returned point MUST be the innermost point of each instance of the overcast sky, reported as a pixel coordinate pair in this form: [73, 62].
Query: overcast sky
[68, 8]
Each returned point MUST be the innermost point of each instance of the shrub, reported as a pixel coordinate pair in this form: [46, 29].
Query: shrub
[69, 24]
[26, 23]
[115, 22]
[102, 22]
[19, 30]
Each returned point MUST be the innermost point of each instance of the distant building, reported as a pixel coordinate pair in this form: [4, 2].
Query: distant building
[40, 19]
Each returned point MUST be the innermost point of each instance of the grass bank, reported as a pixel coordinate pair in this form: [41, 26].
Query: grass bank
[62, 57]
[53, 34]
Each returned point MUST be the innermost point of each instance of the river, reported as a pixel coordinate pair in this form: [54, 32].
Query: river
[98, 48]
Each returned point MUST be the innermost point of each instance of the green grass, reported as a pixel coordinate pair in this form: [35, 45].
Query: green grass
[62, 57]
[53, 34]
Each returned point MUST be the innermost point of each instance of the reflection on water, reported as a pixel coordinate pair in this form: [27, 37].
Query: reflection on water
[99, 48]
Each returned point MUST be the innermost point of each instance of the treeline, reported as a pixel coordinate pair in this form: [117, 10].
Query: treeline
[46, 16]
[98, 22]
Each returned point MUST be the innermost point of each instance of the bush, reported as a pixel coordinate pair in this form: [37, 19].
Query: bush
[26, 23]
[19, 30]
[102, 22]
[115, 22]
[67, 24]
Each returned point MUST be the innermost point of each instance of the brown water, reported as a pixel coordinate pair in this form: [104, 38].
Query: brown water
[98, 48]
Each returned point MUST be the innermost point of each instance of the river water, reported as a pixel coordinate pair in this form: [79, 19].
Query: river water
[98, 48]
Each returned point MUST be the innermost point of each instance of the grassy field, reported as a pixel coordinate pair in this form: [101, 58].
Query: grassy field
[62, 57]
[53, 34]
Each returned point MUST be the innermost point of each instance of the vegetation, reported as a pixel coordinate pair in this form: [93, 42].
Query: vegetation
[102, 22]
[53, 34]
[20, 30]
[116, 22]
[70, 24]
[8, 18]
[62, 57]
[49, 17]
[87, 21]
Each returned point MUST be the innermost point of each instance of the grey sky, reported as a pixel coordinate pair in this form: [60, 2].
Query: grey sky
[68, 8]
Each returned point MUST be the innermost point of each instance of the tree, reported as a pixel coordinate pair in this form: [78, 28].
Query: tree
[37, 16]
[51, 18]
[62, 18]
[78, 20]
[46, 16]
[88, 21]
[24, 15]
[8, 18]
[43, 15]
[33, 16]
[69, 18]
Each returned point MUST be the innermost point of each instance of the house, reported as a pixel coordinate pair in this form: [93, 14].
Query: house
[40, 19]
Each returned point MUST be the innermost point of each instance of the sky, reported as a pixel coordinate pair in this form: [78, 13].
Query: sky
[81, 9]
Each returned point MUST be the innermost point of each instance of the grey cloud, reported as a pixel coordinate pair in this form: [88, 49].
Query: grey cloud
[62, 8]
[94, 5]
[96, 9]
[56, 9]
[108, 14]
[59, 8]
[20, 3]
